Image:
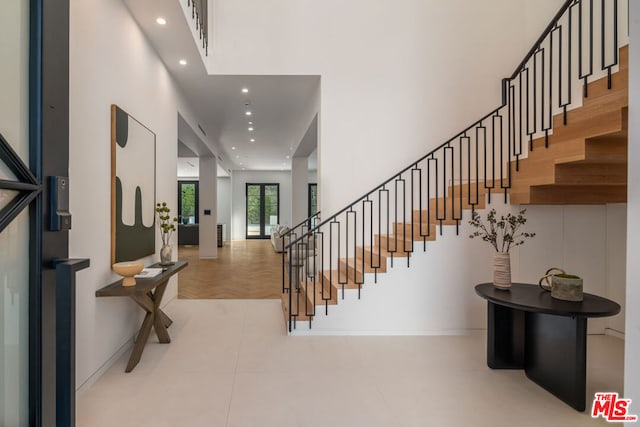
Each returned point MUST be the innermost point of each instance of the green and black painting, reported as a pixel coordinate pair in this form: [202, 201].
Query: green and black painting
[134, 151]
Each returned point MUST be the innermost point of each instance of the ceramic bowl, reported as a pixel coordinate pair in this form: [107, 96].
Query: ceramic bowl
[128, 269]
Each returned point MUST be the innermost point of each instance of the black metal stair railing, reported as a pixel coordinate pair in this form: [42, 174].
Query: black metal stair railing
[292, 234]
[402, 213]
[200, 13]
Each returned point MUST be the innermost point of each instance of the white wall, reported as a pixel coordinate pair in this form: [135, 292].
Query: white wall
[224, 205]
[632, 337]
[299, 189]
[584, 240]
[111, 62]
[239, 179]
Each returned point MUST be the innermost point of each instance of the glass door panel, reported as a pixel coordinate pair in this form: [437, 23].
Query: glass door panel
[253, 210]
[262, 210]
[313, 199]
[14, 239]
[270, 218]
[188, 202]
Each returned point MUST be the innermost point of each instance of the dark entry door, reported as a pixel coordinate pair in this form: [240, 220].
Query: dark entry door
[34, 72]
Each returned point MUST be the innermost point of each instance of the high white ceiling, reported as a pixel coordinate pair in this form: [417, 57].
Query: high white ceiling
[189, 168]
[276, 102]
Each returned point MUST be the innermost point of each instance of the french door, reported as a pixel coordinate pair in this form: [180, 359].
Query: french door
[34, 72]
[14, 218]
[188, 202]
[263, 206]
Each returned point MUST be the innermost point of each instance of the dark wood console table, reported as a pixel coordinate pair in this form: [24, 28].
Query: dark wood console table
[527, 329]
[147, 293]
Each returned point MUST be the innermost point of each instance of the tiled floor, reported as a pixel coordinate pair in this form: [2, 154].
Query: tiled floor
[231, 364]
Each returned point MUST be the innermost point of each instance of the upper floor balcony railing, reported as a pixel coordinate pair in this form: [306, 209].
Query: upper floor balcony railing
[199, 12]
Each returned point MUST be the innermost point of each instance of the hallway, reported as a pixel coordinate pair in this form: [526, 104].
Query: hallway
[244, 269]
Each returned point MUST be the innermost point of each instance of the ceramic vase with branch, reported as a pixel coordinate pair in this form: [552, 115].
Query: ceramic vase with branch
[167, 226]
[502, 233]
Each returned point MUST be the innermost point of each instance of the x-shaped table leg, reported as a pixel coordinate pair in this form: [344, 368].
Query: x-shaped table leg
[155, 317]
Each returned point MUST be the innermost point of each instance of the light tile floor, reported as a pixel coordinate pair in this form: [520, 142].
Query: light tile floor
[231, 364]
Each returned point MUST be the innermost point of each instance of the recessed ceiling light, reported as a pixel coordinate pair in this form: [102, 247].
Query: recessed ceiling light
[243, 168]
[252, 140]
[233, 148]
[183, 62]
[237, 157]
[250, 129]
[245, 90]
[287, 157]
[161, 21]
[241, 163]
[250, 123]
[248, 113]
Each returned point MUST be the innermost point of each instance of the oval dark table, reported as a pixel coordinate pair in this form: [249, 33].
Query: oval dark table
[527, 329]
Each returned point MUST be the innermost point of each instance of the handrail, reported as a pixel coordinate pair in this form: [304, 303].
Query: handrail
[200, 14]
[544, 35]
[430, 153]
[303, 222]
[65, 295]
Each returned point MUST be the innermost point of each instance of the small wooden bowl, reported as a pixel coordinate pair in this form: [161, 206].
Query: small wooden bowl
[127, 270]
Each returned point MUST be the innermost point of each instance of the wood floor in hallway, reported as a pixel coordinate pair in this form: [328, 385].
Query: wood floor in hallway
[244, 269]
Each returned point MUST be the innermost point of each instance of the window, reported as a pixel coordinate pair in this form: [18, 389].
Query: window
[313, 199]
[188, 202]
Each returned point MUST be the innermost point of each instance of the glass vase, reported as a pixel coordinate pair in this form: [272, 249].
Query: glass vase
[165, 255]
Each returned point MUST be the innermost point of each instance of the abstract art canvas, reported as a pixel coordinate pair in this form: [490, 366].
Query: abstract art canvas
[133, 192]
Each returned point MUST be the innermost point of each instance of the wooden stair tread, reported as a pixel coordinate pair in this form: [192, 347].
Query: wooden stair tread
[324, 292]
[593, 174]
[361, 265]
[298, 304]
[420, 233]
[331, 278]
[394, 245]
[571, 194]
[588, 127]
[586, 159]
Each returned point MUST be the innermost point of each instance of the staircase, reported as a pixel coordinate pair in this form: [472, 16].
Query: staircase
[538, 147]
[584, 160]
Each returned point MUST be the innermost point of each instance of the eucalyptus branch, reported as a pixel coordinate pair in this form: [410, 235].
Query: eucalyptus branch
[165, 222]
[502, 233]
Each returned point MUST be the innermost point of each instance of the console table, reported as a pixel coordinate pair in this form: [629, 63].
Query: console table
[527, 329]
[147, 293]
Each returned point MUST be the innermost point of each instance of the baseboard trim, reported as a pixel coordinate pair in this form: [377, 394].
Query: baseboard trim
[125, 348]
[443, 332]
[614, 333]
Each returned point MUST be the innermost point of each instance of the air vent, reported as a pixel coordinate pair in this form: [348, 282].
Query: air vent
[201, 130]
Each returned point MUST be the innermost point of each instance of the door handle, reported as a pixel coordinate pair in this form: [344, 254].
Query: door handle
[66, 270]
